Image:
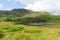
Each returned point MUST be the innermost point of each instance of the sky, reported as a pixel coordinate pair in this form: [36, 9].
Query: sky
[10, 4]
[35, 5]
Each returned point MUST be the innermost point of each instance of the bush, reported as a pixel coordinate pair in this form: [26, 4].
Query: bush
[9, 20]
[1, 34]
[13, 29]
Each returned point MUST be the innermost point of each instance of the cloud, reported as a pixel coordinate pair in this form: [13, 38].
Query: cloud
[45, 5]
[39, 6]
[28, 1]
[52, 6]
[1, 6]
[22, 1]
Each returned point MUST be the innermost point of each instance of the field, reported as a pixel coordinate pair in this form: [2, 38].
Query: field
[11, 31]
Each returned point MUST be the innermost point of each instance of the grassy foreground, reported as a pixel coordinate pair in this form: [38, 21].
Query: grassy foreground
[11, 31]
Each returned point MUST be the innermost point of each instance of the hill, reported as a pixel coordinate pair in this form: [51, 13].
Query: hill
[24, 16]
[14, 12]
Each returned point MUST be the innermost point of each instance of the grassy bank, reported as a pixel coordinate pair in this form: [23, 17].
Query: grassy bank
[11, 31]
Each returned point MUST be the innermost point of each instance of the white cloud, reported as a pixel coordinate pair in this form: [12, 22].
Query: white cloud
[23, 1]
[39, 6]
[44, 5]
[1, 6]
[28, 1]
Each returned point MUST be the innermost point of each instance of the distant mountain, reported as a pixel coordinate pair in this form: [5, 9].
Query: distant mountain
[22, 10]
[15, 12]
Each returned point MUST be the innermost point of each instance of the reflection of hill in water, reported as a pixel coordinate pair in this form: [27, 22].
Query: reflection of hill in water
[42, 24]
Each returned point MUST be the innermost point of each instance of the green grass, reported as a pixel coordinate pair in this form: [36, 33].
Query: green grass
[11, 31]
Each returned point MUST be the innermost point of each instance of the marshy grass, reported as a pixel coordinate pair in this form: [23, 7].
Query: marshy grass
[32, 31]
[24, 32]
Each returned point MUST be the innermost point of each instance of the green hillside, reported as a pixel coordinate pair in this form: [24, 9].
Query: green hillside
[14, 12]
[24, 16]
[39, 17]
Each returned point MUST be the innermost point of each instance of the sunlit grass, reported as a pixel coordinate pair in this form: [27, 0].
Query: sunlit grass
[12, 31]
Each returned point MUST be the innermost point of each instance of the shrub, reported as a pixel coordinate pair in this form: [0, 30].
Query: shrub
[14, 29]
[1, 34]
[9, 20]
